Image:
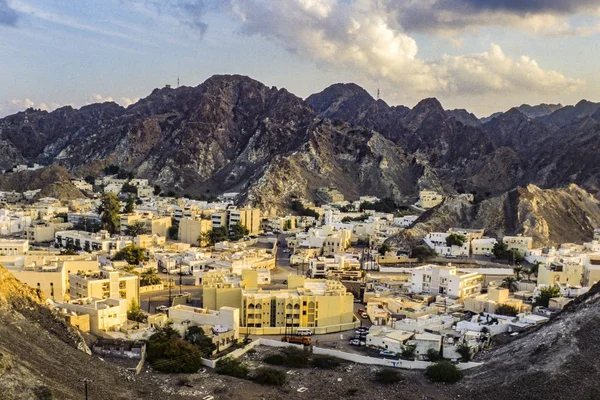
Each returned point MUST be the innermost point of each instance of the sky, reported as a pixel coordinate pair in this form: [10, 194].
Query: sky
[481, 55]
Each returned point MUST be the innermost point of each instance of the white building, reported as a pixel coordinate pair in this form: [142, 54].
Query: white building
[13, 247]
[483, 246]
[437, 242]
[518, 243]
[446, 280]
[101, 241]
[405, 221]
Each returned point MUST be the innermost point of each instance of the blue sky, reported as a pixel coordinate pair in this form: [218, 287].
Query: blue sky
[481, 55]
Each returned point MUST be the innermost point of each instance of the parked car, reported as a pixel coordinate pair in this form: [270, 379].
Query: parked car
[387, 353]
[363, 328]
[355, 342]
[162, 309]
[286, 250]
[365, 316]
[357, 301]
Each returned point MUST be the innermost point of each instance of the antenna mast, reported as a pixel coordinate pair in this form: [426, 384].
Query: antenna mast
[377, 93]
[177, 81]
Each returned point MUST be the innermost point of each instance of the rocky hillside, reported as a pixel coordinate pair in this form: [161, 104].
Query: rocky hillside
[556, 361]
[548, 215]
[232, 133]
[43, 357]
[53, 181]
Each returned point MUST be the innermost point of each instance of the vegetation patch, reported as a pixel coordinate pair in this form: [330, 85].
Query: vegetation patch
[269, 376]
[231, 367]
[443, 371]
[388, 376]
[325, 362]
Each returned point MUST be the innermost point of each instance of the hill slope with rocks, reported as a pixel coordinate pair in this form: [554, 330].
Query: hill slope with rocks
[43, 357]
[232, 133]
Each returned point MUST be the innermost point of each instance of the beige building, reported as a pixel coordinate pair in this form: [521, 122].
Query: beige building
[13, 247]
[489, 302]
[222, 325]
[154, 225]
[105, 284]
[336, 243]
[49, 274]
[446, 280]
[429, 199]
[306, 303]
[191, 230]
[519, 243]
[103, 314]
[247, 217]
[558, 272]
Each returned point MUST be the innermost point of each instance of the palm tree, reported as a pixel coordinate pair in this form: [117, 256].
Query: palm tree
[150, 277]
[534, 268]
[517, 270]
[510, 283]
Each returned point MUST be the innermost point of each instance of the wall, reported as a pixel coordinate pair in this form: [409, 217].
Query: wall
[320, 330]
[151, 288]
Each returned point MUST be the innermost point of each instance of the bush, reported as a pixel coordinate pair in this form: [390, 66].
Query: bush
[269, 376]
[296, 358]
[168, 352]
[408, 352]
[508, 310]
[231, 367]
[465, 351]
[433, 355]
[351, 392]
[443, 371]
[325, 362]
[274, 359]
[388, 376]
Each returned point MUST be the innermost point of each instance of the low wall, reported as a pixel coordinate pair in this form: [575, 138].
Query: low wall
[151, 288]
[319, 330]
[357, 358]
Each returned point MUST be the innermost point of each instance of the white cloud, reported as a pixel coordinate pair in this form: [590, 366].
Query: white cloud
[365, 37]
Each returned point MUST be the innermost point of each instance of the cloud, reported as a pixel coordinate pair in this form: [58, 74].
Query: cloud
[447, 17]
[98, 98]
[364, 37]
[14, 106]
[8, 16]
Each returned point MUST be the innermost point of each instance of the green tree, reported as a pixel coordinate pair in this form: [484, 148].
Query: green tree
[505, 309]
[434, 355]
[423, 253]
[545, 294]
[218, 234]
[443, 371]
[231, 367]
[109, 212]
[135, 229]
[384, 248]
[533, 270]
[196, 336]
[465, 351]
[135, 313]
[150, 277]
[454, 239]
[502, 252]
[388, 376]
[173, 232]
[238, 231]
[132, 254]
[129, 205]
[269, 376]
[510, 283]
[157, 190]
[167, 352]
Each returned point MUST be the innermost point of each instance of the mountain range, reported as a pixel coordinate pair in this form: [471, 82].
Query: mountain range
[233, 133]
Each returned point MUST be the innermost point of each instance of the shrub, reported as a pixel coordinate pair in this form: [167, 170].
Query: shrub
[408, 352]
[231, 367]
[269, 376]
[351, 392]
[433, 355]
[465, 351]
[296, 358]
[274, 359]
[443, 371]
[168, 352]
[388, 376]
[325, 362]
[508, 310]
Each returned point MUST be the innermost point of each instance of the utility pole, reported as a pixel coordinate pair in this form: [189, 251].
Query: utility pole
[85, 383]
[169, 282]
[149, 302]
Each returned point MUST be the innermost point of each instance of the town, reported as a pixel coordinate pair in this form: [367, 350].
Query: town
[127, 263]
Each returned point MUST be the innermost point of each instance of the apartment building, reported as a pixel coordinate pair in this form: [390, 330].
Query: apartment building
[518, 243]
[155, 225]
[105, 284]
[446, 280]
[104, 314]
[306, 303]
[490, 301]
[101, 241]
[560, 272]
[13, 247]
[44, 232]
[191, 230]
[483, 246]
[246, 217]
[49, 274]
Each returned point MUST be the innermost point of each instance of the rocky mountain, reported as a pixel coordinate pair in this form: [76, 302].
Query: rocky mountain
[555, 361]
[547, 215]
[232, 133]
[53, 181]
